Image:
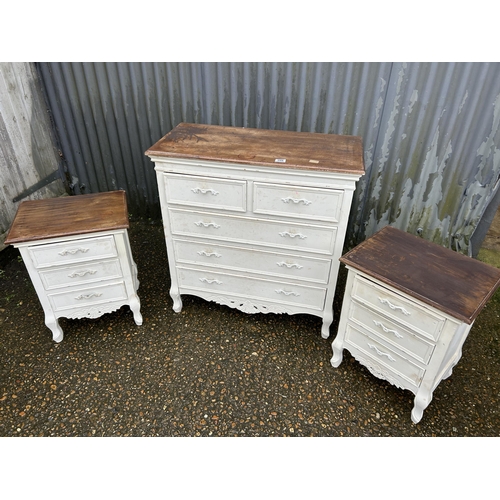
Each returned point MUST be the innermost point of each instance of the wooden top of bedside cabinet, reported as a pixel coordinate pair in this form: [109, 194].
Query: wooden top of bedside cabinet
[437, 276]
[271, 148]
[68, 215]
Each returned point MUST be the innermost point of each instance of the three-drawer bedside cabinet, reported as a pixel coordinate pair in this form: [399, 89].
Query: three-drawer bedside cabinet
[77, 253]
[408, 307]
[256, 219]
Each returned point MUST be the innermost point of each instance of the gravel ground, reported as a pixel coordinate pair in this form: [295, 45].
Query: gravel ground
[214, 371]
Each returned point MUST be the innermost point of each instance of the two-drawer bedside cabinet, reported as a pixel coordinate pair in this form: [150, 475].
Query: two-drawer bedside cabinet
[408, 307]
[77, 253]
[255, 219]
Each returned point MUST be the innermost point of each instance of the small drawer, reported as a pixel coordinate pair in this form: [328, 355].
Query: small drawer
[297, 201]
[309, 297]
[269, 233]
[391, 332]
[73, 251]
[81, 297]
[397, 307]
[83, 273]
[191, 190]
[382, 354]
[249, 259]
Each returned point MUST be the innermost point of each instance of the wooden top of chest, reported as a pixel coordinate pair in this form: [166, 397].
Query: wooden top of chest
[304, 150]
[68, 215]
[449, 281]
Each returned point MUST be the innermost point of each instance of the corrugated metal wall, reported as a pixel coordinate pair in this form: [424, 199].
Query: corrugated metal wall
[29, 160]
[430, 130]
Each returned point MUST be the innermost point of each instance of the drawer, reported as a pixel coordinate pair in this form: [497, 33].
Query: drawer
[229, 284]
[83, 273]
[73, 251]
[395, 306]
[81, 297]
[258, 261]
[392, 332]
[221, 194]
[382, 354]
[270, 233]
[294, 201]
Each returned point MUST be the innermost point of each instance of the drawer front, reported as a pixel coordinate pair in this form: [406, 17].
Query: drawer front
[260, 231]
[397, 307]
[206, 192]
[82, 273]
[382, 354]
[293, 201]
[229, 284]
[73, 251]
[81, 297]
[259, 261]
[392, 332]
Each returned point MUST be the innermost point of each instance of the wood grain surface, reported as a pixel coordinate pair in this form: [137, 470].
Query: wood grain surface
[68, 215]
[305, 150]
[449, 281]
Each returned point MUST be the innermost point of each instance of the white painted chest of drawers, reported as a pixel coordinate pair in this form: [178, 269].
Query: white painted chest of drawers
[408, 308]
[77, 253]
[256, 219]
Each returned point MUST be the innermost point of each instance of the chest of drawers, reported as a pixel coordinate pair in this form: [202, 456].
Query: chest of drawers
[256, 219]
[78, 256]
[408, 307]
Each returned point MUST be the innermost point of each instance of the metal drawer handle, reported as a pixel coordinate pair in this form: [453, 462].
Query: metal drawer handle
[205, 280]
[294, 200]
[380, 353]
[72, 251]
[207, 224]
[213, 254]
[387, 330]
[205, 191]
[294, 235]
[88, 295]
[393, 307]
[289, 266]
[287, 293]
[81, 273]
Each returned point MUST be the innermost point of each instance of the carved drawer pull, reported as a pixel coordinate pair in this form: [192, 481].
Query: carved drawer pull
[387, 330]
[289, 266]
[293, 235]
[206, 280]
[393, 307]
[72, 251]
[81, 273]
[287, 293]
[380, 353]
[294, 200]
[205, 191]
[88, 295]
[213, 254]
[207, 224]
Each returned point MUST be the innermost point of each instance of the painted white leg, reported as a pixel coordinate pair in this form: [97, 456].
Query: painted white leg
[422, 401]
[53, 324]
[135, 306]
[337, 353]
[176, 297]
[327, 321]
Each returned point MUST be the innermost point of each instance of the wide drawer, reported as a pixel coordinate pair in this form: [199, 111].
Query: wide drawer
[297, 201]
[243, 286]
[82, 273]
[80, 297]
[258, 261]
[392, 332]
[222, 194]
[270, 233]
[397, 307]
[382, 354]
[84, 249]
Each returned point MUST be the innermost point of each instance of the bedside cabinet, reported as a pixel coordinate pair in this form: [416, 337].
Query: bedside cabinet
[77, 253]
[408, 307]
[256, 219]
